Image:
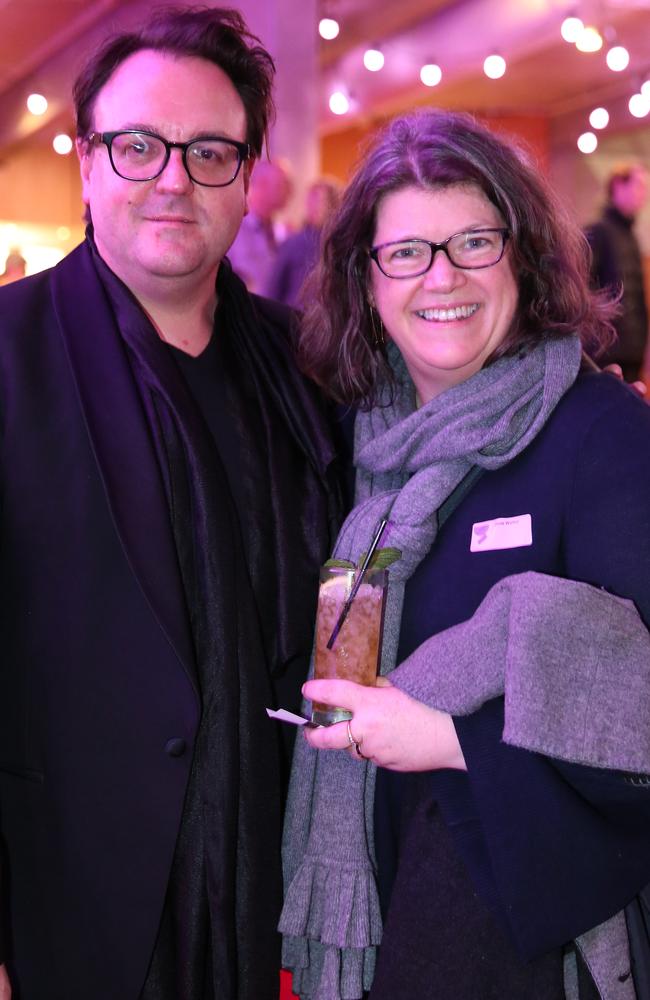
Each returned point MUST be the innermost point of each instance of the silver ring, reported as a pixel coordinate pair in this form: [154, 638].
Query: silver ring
[354, 743]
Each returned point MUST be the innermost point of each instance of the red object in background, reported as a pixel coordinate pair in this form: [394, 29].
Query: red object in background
[285, 987]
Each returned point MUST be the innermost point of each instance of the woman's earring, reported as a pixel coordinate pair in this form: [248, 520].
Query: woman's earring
[377, 328]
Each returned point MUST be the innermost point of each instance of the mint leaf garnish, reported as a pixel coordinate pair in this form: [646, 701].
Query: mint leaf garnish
[383, 558]
[339, 564]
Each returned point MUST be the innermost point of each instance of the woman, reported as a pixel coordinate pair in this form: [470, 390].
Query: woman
[511, 816]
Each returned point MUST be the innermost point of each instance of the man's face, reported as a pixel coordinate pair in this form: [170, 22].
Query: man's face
[168, 233]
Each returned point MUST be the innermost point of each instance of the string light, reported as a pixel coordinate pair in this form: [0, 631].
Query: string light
[599, 118]
[37, 104]
[494, 67]
[431, 74]
[571, 29]
[617, 58]
[62, 144]
[339, 103]
[328, 28]
[589, 39]
[373, 59]
[587, 142]
[639, 105]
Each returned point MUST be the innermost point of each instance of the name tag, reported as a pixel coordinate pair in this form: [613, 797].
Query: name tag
[502, 533]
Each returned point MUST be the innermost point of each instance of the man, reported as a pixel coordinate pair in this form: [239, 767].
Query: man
[617, 265]
[255, 248]
[168, 495]
[299, 253]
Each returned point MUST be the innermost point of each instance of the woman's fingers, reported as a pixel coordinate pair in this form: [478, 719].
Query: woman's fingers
[345, 694]
[329, 737]
[391, 728]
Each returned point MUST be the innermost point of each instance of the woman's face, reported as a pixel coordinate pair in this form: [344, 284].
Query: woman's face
[448, 321]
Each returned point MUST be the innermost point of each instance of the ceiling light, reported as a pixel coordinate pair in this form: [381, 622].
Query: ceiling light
[37, 104]
[494, 67]
[639, 105]
[431, 75]
[645, 89]
[339, 103]
[599, 118]
[328, 28]
[589, 40]
[587, 142]
[62, 144]
[373, 59]
[617, 58]
[571, 29]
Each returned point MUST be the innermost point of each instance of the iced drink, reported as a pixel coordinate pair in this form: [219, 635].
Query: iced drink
[355, 653]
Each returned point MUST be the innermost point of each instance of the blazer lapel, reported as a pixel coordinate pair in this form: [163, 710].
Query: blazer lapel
[122, 443]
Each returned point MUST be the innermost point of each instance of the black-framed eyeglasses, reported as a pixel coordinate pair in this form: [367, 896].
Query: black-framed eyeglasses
[469, 251]
[137, 155]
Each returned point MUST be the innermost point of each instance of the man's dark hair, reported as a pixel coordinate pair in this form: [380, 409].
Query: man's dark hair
[216, 34]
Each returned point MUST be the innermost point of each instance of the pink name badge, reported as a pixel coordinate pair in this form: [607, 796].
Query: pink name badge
[502, 533]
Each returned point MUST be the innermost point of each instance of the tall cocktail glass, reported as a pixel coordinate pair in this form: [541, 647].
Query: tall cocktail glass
[355, 653]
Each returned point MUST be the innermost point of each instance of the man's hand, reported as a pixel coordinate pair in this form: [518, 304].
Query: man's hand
[392, 729]
[5, 985]
[640, 387]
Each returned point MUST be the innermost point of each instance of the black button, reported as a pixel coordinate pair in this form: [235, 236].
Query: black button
[175, 747]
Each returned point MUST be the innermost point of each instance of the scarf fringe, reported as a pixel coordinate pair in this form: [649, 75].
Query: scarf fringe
[323, 972]
[336, 905]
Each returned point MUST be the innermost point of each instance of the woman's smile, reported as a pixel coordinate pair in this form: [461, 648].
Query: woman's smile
[448, 314]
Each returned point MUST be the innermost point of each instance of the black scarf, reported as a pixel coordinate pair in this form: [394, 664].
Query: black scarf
[291, 475]
[217, 938]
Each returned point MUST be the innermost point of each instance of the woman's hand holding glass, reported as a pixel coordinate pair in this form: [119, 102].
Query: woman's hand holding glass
[392, 729]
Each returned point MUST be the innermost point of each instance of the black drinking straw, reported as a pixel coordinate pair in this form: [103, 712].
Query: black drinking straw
[357, 583]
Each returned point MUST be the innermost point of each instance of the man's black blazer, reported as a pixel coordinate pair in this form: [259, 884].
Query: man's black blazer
[98, 706]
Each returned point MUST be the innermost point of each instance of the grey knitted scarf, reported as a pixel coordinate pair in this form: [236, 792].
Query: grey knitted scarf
[408, 462]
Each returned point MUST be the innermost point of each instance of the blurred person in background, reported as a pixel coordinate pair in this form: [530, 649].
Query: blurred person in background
[617, 265]
[299, 253]
[255, 249]
[167, 501]
[15, 268]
